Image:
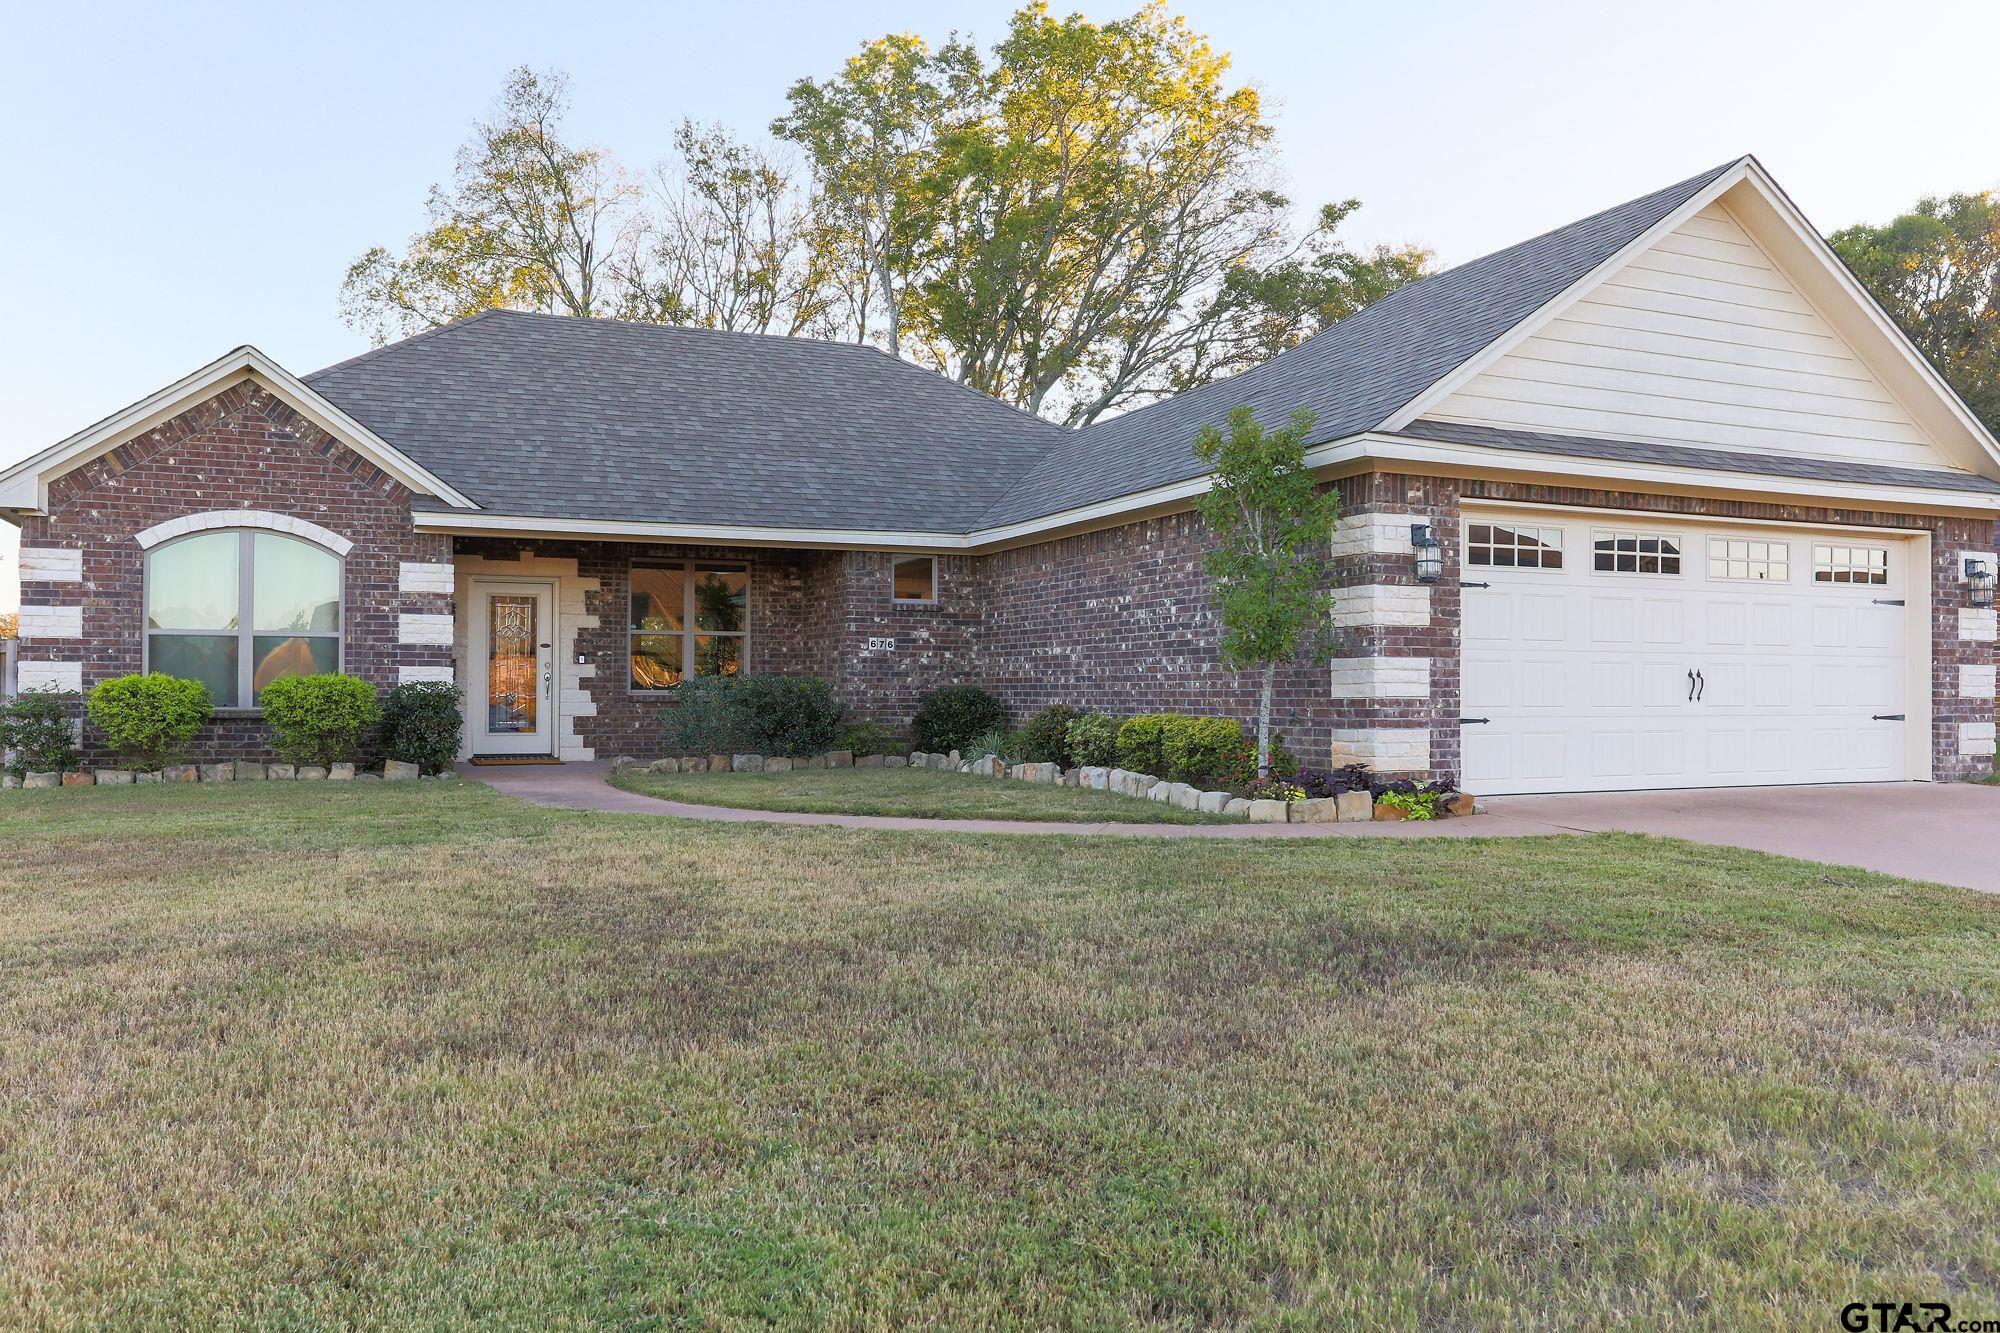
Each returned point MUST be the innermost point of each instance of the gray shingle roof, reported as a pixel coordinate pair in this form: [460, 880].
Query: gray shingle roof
[594, 419]
[1354, 375]
[1708, 460]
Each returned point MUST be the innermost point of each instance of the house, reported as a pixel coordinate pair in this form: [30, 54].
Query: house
[1702, 517]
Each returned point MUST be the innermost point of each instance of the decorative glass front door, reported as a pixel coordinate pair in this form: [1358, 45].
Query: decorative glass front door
[513, 648]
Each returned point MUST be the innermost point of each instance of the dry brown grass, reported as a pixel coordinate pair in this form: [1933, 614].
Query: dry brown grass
[318, 1057]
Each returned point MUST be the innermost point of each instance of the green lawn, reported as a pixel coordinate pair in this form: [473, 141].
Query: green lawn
[408, 1057]
[921, 793]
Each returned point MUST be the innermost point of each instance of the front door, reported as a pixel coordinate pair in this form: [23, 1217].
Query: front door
[513, 647]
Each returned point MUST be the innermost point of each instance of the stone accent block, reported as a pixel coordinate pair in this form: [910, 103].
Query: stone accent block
[719, 763]
[425, 675]
[249, 771]
[1382, 678]
[65, 676]
[78, 780]
[869, 761]
[664, 766]
[839, 758]
[811, 761]
[286, 772]
[340, 773]
[181, 773]
[1183, 797]
[1975, 682]
[51, 622]
[1211, 802]
[1975, 626]
[894, 761]
[1382, 605]
[1237, 806]
[397, 771]
[51, 564]
[38, 781]
[1268, 812]
[1354, 807]
[422, 576]
[113, 777]
[311, 773]
[1318, 810]
[1384, 749]
[1975, 739]
[424, 629]
[1093, 777]
[746, 763]
[145, 777]
[218, 772]
[778, 763]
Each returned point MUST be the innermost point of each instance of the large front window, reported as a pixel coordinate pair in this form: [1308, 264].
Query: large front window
[239, 609]
[687, 620]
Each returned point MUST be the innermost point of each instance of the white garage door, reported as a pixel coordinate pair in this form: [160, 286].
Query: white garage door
[1637, 651]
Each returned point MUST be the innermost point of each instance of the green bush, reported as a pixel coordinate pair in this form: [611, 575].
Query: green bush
[39, 731]
[761, 714]
[1044, 737]
[421, 725]
[319, 719]
[860, 738]
[952, 716]
[1093, 740]
[1200, 749]
[149, 721]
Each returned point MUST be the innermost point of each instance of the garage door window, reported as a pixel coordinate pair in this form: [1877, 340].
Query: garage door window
[1751, 561]
[1635, 553]
[1850, 564]
[1504, 546]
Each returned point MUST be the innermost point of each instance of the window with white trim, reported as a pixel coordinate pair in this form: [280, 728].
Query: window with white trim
[687, 619]
[915, 580]
[1735, 558]
[1635, 553]
[1511, 546]
[1840, 563]
[240, 608]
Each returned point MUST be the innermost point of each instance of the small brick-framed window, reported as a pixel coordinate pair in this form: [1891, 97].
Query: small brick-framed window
[915, 580]
[1512, 546]
[1735, 558]
[688, 618]
[1635, 553]
[1835, 562]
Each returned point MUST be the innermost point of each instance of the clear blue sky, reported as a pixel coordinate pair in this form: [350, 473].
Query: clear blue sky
[183, 178]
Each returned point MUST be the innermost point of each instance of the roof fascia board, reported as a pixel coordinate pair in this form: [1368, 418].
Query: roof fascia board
[25, 485]
[1457, 378]
[830, 539]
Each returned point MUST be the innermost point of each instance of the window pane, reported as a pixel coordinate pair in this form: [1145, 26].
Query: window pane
[656, 661]
[721, 599]
[191, 584]
[657, 600]
[293, 586]
[717, 654]
[913, 579]
[278, 656]
[210, 659]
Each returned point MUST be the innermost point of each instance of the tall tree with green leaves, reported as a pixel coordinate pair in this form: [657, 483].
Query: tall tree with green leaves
[1271, 523]
[1936, 269]
[529, 222]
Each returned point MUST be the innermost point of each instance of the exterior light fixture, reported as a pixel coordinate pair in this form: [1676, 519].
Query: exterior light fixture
[1430, 556]
[1979, 584]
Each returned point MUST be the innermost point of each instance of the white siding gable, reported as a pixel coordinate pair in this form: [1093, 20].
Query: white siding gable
[1701, 340]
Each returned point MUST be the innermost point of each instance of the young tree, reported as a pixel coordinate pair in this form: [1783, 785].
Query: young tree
[1937, 270]
[1271, 523]
[530, 222]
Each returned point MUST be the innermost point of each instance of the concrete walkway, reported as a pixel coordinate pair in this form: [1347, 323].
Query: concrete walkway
[583, 787]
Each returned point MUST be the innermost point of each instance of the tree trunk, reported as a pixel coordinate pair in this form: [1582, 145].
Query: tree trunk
[1264, 720]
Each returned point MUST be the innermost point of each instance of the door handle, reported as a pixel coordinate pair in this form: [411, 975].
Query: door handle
[1700, 686]
[1690, 687]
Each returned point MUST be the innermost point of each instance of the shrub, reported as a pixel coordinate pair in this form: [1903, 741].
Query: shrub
[421, 725]
[320, 719]
[1142, 743]
[39, 728]
[951, 716]
[1198, 749]
[999, 741]
[1093, 740]
[761, 714]
[150, 720]
[1414, 804]
[859, 738]
[1323, 782]
[1044, 737]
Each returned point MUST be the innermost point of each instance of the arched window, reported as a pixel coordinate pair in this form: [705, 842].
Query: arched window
[238, 609]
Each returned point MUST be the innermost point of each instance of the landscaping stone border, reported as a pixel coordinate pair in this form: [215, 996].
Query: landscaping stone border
[1354, 807]
[239, 770]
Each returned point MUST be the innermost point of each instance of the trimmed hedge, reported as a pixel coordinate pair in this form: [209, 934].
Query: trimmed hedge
[1204, 751]
[760, 714]
[953, 716]
[319, 719]
[150, 720]
[421, 725]
[1044, 737]
[1093, 740]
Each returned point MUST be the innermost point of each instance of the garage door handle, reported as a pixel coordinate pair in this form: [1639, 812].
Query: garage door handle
[1700, 686]
[1886, 717]
[1886, 601]
[1474, 721]
[1690, 687]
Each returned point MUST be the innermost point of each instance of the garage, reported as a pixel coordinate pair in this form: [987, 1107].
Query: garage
[1625, 651]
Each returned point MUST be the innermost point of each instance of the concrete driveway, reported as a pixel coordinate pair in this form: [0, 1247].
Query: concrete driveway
[1929, 831]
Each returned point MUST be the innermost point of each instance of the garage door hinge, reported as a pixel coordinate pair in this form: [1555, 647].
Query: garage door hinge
[1474, 721]
[1886, 717]
[1886, 601]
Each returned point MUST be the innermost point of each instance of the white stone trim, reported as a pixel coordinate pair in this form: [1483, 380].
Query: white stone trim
[1378, 605]
[51, 622]
[414, 675]
[1373, 534]
[1384, 749]
[50, 676]
[418, 576]
[1976, 682]
[425, 630]
[244, 518]
[573, 698]
[1975, 626]
[51, 564]
[1975, 739]
[1382, 678]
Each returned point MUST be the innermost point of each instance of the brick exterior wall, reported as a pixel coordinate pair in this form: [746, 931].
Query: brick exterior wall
[243, 449]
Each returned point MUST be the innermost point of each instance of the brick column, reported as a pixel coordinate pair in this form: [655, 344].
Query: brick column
[1395, 675]
[1962, 653]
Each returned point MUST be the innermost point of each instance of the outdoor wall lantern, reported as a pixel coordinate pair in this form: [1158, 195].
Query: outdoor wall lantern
[1430, 556]
[1979, 584]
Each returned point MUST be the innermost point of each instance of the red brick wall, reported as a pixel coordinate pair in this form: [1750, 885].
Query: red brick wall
[242, 449]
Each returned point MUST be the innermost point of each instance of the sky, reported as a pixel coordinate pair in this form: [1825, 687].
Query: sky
[181, 179]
